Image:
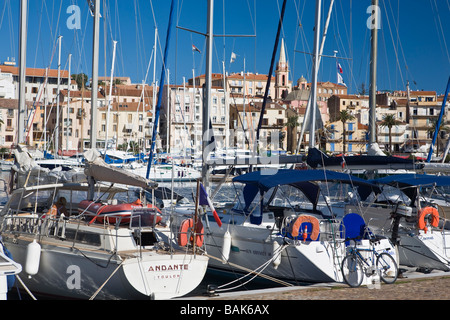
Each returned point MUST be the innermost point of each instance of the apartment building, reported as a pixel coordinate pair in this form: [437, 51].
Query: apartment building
[244, 121]
[35, 90]
[8, 115]
[355, 130]
[181, 117]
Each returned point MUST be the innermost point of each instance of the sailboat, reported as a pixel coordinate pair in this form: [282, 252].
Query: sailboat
[413, 211]
[277, 227]
[81, 236]
[84, 240]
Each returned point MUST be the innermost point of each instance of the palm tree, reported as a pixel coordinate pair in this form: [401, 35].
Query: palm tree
[432, 129]
[345, 116]
[389, 121]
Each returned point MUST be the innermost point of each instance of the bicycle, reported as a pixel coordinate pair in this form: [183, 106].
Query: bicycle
[355, 266]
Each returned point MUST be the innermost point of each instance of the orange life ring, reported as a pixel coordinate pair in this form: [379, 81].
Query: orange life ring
[294, 228]
[186, 235]
[421, 223]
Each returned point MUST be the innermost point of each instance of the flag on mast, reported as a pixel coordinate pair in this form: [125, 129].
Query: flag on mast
[233, 57]
[204, 200]
[340, 79]
[194, 48]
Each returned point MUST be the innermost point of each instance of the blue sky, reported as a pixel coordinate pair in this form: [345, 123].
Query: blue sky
[414, 38]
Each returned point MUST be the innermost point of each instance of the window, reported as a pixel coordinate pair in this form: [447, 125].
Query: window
[130, 118]
[103, 116]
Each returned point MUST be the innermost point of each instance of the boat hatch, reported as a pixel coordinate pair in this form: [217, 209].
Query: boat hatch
[145, 238]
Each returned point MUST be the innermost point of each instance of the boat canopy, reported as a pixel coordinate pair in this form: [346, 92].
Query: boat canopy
[305, 180]
[409, 183]
[406, 180]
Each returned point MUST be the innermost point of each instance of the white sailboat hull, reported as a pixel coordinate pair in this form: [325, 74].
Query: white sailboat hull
[311, 261]
[426, 250]
[164, 173]
[78, 274]
[252, 249]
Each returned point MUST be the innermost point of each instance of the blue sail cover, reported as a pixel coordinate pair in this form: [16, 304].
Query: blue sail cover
[258, 181]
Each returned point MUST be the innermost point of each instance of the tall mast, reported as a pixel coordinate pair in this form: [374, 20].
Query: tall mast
[22, 71]
[68, 102]
[373, 73]
[207, 98]
[314, 75]
[58, 116]
[94, 85]
[110, 95]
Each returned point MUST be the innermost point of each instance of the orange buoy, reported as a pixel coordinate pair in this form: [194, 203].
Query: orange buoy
[294, 229]
[421, 223]
[186, 234]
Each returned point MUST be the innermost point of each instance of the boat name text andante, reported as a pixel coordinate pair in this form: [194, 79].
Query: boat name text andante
[175, 267]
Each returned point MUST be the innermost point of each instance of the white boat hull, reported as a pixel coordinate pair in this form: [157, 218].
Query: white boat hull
[426, 250]
[252, 249]
[76, 274]
[162, 173]
[305, 262]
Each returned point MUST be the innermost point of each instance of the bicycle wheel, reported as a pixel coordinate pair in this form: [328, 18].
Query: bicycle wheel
[352, 270]
[387, 267]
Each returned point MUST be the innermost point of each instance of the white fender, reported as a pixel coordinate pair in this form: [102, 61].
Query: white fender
[226, 247]
[276, 253]
[33, 258]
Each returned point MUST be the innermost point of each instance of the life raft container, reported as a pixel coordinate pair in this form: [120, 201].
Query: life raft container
[422, 224]
[186, 233]
[114, 212]
[294, 227]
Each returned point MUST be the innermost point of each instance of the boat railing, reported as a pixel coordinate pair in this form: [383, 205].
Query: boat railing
[32, 224]
[331, 230]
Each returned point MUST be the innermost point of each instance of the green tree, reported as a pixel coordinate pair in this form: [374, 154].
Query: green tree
[389, 122]
[345, 116]
[442, 128]
[3, 150]
[362, 89]
[80, 79]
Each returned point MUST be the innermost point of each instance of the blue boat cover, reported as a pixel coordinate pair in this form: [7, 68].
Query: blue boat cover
[404, 180]
[259, 181]
[409, 182]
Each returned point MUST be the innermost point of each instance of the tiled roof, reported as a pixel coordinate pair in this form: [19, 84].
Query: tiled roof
[13, 103]
[77, 94]
[34, 72]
